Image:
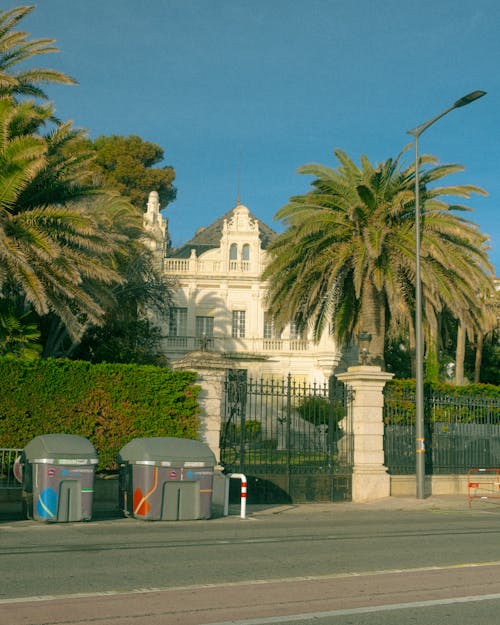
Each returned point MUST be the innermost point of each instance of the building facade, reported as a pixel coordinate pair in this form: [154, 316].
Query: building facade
[220, 300]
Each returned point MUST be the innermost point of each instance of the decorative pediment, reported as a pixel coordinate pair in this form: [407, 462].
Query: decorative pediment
[241, 221]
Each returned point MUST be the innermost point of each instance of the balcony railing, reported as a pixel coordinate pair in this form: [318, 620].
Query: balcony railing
[211, 267]
[239, 265]
[229, 344]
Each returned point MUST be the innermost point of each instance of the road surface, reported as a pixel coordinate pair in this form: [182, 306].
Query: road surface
[308, 564]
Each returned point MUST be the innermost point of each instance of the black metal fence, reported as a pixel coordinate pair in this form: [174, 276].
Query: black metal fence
[297, 437]
[7, 459]
[461, 432]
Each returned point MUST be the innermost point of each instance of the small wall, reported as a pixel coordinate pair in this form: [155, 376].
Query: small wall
[406, 485]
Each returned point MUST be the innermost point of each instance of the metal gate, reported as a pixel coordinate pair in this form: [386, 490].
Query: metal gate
[291, 439]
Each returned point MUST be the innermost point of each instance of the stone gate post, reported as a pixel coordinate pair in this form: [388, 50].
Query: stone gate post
[370, 479]
[211, 369]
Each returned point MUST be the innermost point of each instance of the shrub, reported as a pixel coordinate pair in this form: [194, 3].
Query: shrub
[442, 403]
[107, 403]
[319, 410]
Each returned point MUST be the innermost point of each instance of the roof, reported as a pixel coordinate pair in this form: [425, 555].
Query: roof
[209, 238]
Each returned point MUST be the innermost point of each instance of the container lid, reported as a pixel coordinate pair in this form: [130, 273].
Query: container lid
[167, 451]
[55, 447]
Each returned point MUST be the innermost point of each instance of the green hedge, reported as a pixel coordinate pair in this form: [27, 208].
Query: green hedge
[473, 403]
[107, 403]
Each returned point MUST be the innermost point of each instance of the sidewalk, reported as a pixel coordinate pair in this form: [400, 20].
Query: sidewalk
[433, 502]
[12, 511]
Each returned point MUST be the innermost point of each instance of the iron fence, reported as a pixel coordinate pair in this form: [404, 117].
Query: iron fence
[461, 432]
[7, 459]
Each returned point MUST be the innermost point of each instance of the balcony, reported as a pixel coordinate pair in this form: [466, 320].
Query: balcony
[239, 265]
[184, 344]
[196, 266]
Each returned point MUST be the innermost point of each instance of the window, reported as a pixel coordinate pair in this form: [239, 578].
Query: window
[294, 332]
[205, 326]
[238, 324]
[245, 254]
[178, 322]
[233, 252]
[205, 331]
[269, 327]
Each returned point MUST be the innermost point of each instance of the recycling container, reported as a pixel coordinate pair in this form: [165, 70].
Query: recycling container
[166, 479]
[58, 478]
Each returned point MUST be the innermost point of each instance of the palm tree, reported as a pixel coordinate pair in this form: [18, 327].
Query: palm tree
[477, 337]
[347, 258]
[19, 334]
[16, 48]
[123, 302]
[66, 246]
[54, 253]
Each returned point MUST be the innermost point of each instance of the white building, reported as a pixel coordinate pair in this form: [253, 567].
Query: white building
[220, 300]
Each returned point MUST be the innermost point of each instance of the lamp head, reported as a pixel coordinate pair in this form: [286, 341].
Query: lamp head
[470, 97]
[364, 339]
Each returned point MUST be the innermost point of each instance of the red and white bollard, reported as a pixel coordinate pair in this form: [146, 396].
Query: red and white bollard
[243, 494]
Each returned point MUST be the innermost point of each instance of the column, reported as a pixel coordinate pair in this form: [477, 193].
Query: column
[211, 369]
[370, 479]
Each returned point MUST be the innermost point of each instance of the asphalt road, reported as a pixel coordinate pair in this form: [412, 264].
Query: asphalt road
[336, 564]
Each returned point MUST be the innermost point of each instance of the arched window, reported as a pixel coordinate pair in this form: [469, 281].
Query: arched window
[233, 252]
[245, 255]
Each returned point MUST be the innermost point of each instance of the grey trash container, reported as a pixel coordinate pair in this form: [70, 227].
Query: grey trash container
[166, 479]
[58, 478]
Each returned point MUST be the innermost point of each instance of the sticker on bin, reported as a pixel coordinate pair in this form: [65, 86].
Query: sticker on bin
[193, 465]
[75, 472]
[172, 475]
[165, 463]
[78, 461]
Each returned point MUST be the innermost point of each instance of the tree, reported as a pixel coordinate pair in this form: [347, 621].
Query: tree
[347, 258]
[47, 248]
[70, 251]
[126, 164]
[19, 333]
[490, 362]
[484, 366]
[122, 340]
[127, 334]
[52, 252]
[16, 48]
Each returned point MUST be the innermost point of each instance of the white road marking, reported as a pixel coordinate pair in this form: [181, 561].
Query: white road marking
[276, 620]
[305, 578]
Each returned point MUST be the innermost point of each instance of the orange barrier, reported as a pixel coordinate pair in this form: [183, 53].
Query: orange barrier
[483, 484]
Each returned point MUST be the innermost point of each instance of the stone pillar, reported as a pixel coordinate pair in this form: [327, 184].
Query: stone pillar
[370, 479]
[211, 369]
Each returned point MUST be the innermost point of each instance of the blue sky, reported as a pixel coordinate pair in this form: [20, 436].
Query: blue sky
[264, 86]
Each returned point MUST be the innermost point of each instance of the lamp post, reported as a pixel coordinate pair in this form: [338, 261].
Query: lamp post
[419, 343]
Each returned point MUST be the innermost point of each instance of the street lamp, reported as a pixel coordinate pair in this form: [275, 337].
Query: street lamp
[419, 346]
[364, 339]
